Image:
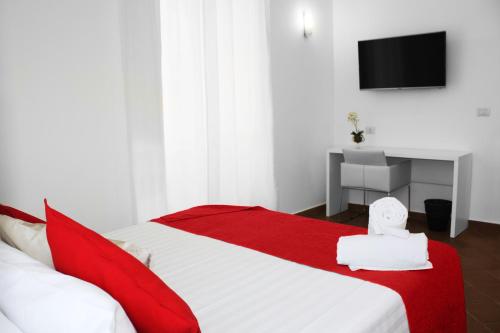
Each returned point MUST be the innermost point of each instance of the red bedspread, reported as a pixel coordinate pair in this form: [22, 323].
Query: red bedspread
[434, 299]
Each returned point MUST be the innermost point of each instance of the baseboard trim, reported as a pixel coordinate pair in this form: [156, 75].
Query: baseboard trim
[306, 209]
[489, 222]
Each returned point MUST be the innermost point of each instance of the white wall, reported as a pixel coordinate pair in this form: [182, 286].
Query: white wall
[80, 107]
[73, 73]
[433, 118]
[302, 93]
[63, 125]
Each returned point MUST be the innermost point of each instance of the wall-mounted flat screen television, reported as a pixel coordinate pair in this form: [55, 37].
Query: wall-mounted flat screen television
[413, 61]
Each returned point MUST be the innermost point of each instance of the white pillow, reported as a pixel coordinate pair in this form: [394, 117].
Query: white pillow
[141, 254]
[7, 326]
[31, 238]
[37, 298]
[27, 237]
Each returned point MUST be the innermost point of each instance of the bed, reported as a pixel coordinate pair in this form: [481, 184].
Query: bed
[248, 269]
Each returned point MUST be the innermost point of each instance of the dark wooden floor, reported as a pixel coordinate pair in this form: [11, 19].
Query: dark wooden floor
[479, 249]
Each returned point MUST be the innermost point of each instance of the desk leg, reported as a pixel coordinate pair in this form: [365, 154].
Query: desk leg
[333, 189]
[460, 211]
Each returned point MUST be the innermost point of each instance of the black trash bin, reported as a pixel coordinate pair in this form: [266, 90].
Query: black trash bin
[438, 213]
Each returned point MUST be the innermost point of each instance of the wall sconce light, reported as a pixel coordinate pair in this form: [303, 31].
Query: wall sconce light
[308, 23]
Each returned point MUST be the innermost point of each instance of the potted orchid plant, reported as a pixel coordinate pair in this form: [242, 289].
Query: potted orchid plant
[357, 135]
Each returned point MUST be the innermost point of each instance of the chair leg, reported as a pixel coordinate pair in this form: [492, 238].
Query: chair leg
[365, 210]
[341, 198]
[409, 197]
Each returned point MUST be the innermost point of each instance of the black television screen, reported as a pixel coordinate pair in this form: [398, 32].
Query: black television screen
[403, 62]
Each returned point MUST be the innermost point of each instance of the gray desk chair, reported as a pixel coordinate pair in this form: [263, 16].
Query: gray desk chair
[369, 170]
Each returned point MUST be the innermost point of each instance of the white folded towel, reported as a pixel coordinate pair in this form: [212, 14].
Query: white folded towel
[383, 252]
[388, 217]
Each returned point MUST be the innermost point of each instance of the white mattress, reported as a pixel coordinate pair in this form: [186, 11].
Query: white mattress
[235, 289]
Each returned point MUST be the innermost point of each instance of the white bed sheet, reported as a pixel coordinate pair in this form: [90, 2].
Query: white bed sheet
[235, 289]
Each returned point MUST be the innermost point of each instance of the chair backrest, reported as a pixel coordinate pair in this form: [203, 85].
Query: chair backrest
[364, 157]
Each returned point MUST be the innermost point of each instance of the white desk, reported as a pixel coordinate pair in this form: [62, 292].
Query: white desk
[462, 174]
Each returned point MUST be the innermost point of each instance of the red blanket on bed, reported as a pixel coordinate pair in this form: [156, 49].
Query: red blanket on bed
[434, 299]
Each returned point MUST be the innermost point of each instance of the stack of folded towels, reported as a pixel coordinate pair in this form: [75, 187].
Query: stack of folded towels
[388, 245]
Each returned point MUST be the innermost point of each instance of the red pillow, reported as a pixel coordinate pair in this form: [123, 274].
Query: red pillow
[149, 303]
[17, 214]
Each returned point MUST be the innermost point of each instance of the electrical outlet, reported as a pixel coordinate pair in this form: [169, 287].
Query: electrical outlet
[370, 130]
[483, 112]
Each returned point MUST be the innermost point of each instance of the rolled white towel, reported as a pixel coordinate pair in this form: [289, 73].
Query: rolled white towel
[388, 216]
[386, 253]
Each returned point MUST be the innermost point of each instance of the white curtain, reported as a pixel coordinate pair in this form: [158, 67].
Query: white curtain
[217, 103]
